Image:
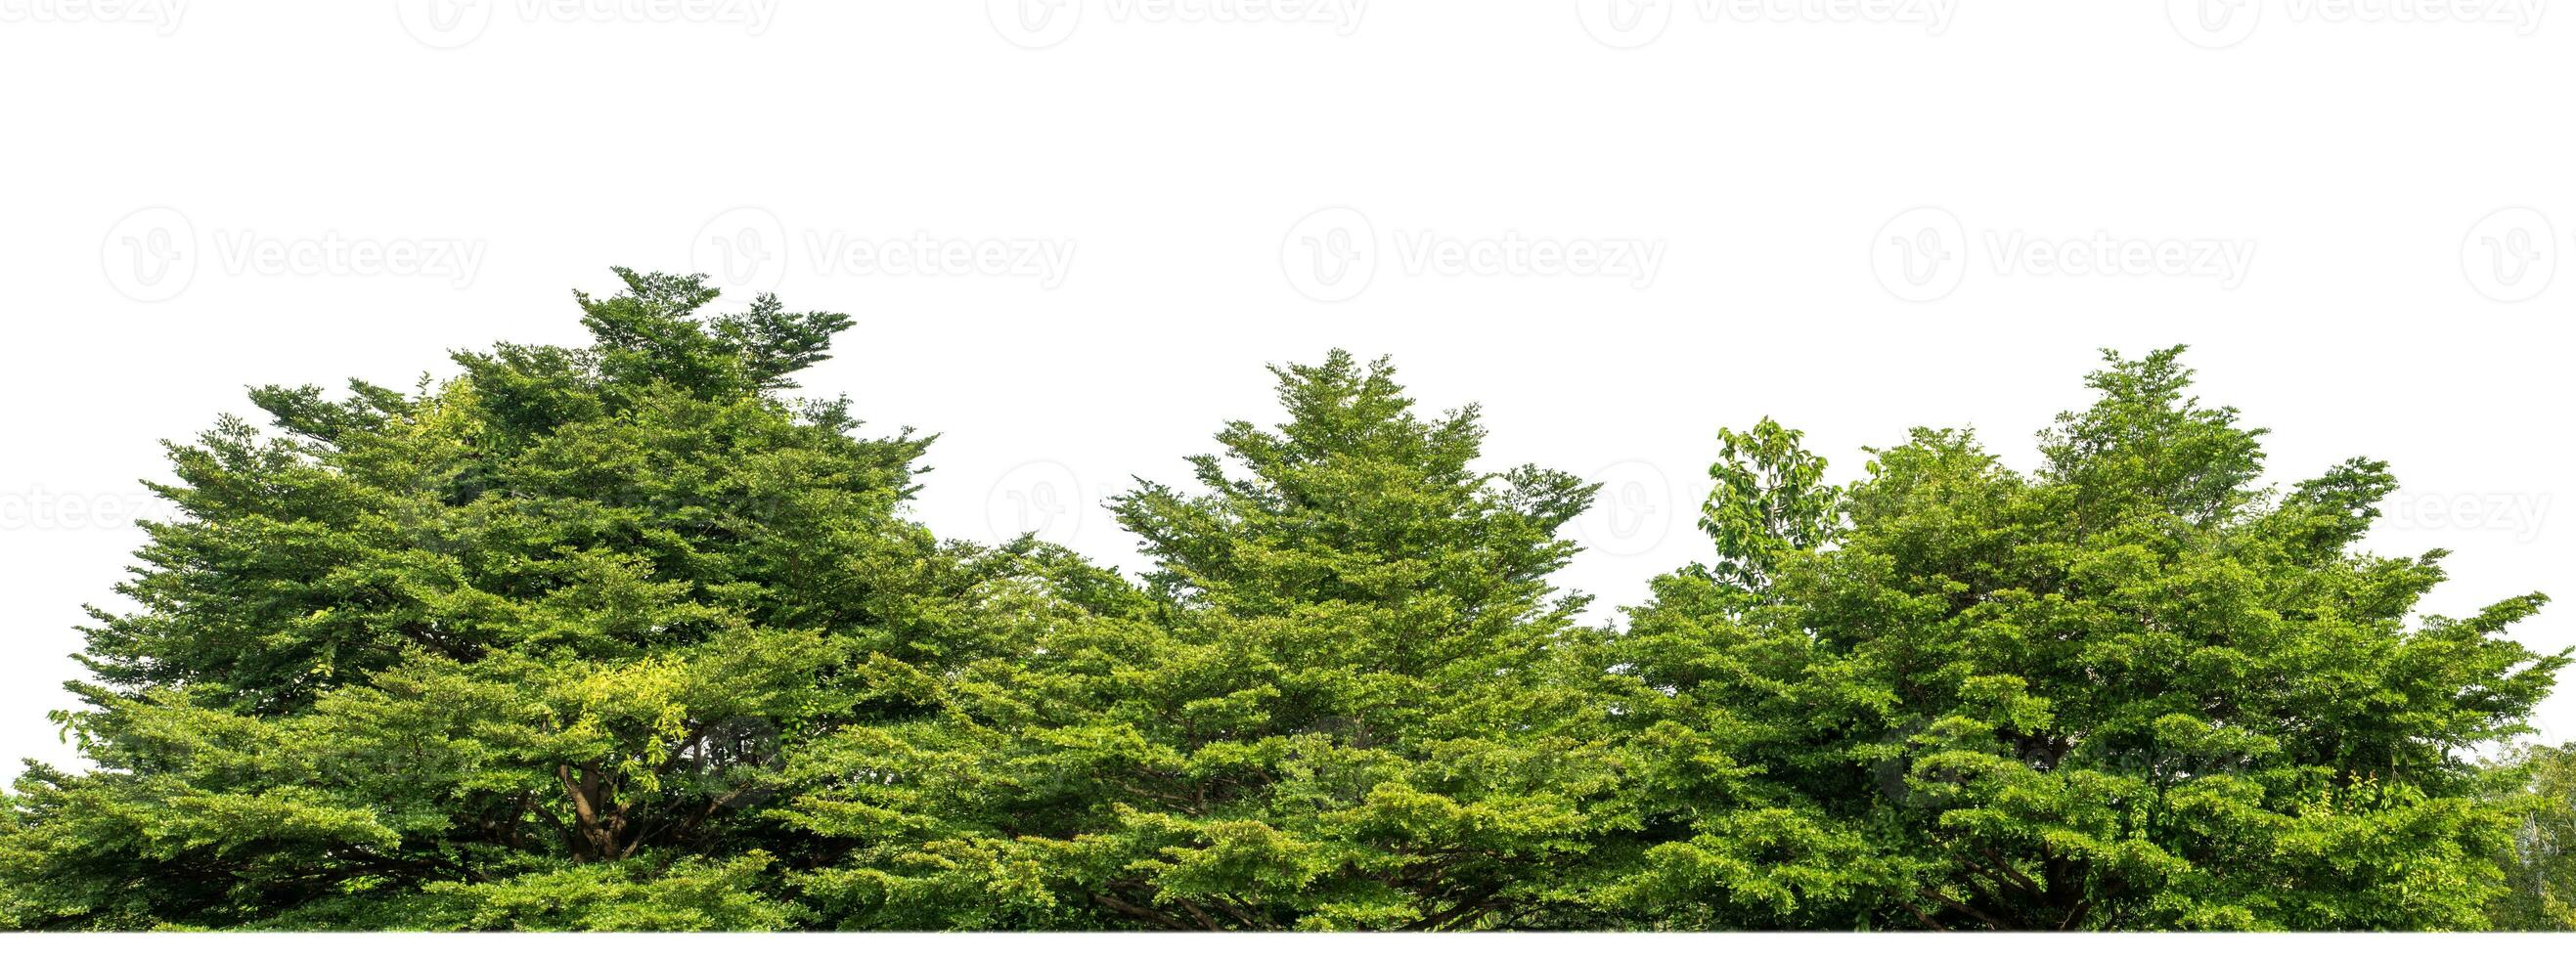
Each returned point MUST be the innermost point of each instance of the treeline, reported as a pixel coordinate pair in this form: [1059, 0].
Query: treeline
[623, 637]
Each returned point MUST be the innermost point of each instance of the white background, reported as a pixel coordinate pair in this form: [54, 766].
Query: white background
[1776, 158]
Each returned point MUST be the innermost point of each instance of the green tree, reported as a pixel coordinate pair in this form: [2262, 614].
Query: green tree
[532, 647]
[622, 637]
[2132, 689]
[2538, 783]
[1768, 499]
[1752, 819]
[1337, 705]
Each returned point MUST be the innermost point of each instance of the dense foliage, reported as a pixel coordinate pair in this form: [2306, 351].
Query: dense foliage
[2538, 783]
[623, 637]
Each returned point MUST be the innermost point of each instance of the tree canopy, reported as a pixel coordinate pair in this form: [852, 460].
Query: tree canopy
[2132, 689]
[629, 637]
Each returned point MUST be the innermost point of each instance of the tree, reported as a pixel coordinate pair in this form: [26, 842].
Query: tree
[2538, 783]
[1768, 499]
[1752, 818]
[2133, 689]
[531, 647]
[623, 637]
[1337, 705]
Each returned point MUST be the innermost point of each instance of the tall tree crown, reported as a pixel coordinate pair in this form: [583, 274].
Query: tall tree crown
[1357, 504]
[2134, 688]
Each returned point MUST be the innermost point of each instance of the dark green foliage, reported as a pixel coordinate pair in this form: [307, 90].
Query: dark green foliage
[622, 638]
